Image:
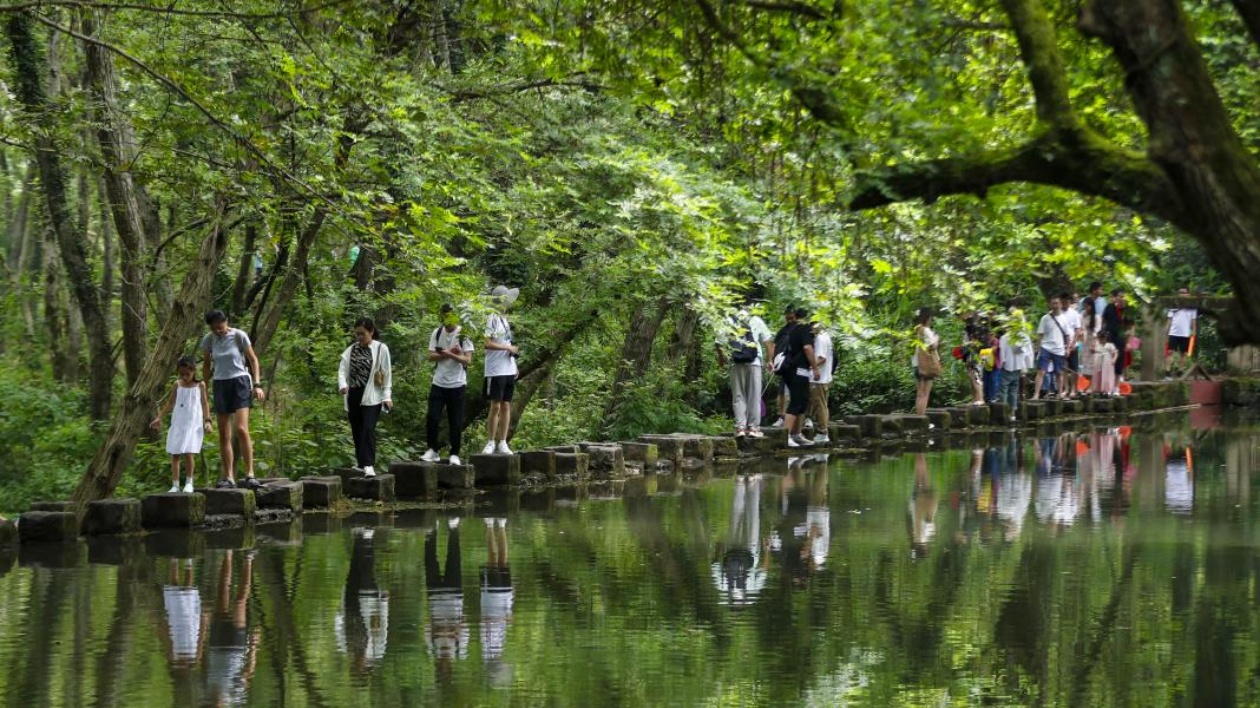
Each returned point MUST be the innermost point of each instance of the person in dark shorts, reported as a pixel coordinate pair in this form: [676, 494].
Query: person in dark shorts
[237, 381]
[1183, 325]
[500, 370]
[780, 345]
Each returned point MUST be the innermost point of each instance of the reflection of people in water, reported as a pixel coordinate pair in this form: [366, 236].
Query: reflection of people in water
[496, 600]
[740, 570]
[923, 503]
[362, 623]
[448, 631]
[797, 540]
[186, 624]
[232, 648]
[1014, 490]
[817, 528]
[1178, 478]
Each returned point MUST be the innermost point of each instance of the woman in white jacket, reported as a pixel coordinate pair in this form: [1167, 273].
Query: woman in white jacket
[366, 380]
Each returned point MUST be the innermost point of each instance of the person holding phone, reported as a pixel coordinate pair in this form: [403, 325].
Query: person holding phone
[365, 379]
[451, 353]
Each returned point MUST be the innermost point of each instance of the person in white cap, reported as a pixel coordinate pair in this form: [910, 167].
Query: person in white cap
[501, 370]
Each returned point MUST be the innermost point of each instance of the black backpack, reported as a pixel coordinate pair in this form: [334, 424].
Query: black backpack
[743, 349]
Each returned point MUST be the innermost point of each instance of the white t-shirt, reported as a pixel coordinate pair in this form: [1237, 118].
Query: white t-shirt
[1071, 320]
[449, 373]
[1182, 324]
[499, 362]
[822, 349]
[1051, 331]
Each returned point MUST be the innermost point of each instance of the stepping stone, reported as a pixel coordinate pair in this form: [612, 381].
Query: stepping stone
[999, 413]
[606, 461]
[346, 474]
[455, 476]
[320, 492]
[645, 454]
[1072, 407]
[564, 448]
[871, 426]
[379, 488]
[52, 506]
[111, 517]
[912, 423]
[668, 448]
[414, 480]
[8, 533]
[48, 526]
[725, 446]
[173, 510]
[279, 495]
[697, 447]
[573, 465]
[890, 425]
[497, 470]
[229, 502]
[978, 415]
[960, 416]
[941, 418]
[1034, 410]
[1122, 404]
[841, 432]
[540, 463]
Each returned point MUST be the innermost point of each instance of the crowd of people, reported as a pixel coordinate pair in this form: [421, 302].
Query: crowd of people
[1079, 347]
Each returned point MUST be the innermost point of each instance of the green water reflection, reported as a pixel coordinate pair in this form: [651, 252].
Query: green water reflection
[1092, 568]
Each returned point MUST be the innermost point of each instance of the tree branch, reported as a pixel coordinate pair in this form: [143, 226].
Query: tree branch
[788, 6]
[1039, 49]
[1074, 159]
[170, 9]
[578, 81]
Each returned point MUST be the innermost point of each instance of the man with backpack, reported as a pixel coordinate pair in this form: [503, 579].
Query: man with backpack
[451, 352]
[746, 362]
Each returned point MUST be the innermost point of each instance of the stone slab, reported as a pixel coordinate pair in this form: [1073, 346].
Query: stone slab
[697, 447]
[606, 461]
[941, 418]
[346, 474]
[1034, 410]
[112, 516]
[52, 506]
[279, 495]
[48, 526]
[414, 480]
[891, 425]
[573, 465]
[644, 454]
[843, 432]
[496, 470]
[725, 446]
[321, 492]
[456, 476]
[229, 502]
[960, 416]
[1072, 406]
[541, 463]
[999, 413]
[173, 510]
[871, 426]
[978, 415]
[379, 488]
[911, 423]
[8, 533]
[668, 448]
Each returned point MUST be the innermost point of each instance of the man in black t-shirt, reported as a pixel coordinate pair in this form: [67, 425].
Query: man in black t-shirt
[804, 369]
[780, 345]
[1117, 323]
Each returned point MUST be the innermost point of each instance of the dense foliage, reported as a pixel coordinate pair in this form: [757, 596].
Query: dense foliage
[634, 167]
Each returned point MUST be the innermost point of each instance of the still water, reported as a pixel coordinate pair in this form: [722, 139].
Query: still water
[1100, 567]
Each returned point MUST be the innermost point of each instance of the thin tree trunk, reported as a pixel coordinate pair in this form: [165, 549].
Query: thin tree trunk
[289, 283]
[114, 134]
[683, 347]
[107, 243]
[54, 319]
[180, 324]
[245, 271]
[21, 246]
[636, 352]
[29, 67]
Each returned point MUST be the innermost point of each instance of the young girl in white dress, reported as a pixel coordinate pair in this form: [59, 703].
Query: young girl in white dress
[190, 421]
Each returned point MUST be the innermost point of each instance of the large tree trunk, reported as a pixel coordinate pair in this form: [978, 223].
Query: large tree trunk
[244, 271]
[116, 138]
[29, 67]
[1192, 141]
[181, 323]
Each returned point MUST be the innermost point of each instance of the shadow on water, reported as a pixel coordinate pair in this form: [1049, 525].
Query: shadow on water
[1069, 567]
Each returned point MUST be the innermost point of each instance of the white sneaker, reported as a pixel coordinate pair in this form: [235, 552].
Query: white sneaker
[503, 449]
[778, 423]
[455, 460]
[369, 472]
[453, 522]
[802, 441]
[188, 487]
[489, 448]
[755, 433]
[431, 455]
[822, 439]
[173, 490]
